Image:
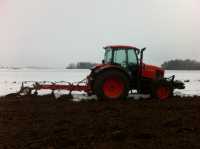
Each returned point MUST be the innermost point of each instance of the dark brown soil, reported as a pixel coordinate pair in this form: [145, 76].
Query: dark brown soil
[43, 122]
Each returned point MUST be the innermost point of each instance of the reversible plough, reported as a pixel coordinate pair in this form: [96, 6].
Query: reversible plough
[32, 87]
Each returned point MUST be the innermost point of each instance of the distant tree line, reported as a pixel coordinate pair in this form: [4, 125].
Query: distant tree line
[81, 65]
[178, 64]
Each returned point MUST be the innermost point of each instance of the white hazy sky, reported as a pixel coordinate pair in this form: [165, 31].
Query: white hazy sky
[56, 32]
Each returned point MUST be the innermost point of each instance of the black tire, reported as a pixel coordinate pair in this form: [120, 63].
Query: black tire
[103, 77]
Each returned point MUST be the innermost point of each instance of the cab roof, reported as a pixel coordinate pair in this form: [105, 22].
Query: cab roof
[120, 46]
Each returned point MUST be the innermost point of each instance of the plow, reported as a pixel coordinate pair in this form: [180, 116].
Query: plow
[121, 71]
[32, 88]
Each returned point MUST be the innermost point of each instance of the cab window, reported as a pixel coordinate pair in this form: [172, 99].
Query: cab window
[120, 57]
[108, 56]
[132, 58]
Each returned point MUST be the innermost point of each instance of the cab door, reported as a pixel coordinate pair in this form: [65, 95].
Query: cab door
[120, 57]
[132, 63]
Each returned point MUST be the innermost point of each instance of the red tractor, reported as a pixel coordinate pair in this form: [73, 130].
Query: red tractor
[122, 70]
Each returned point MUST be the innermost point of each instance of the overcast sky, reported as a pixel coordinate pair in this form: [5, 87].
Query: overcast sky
[56, 32]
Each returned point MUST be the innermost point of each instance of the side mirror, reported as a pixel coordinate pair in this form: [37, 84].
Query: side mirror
[103, 61]
[141, 57]
[143, 49]
[141, 54]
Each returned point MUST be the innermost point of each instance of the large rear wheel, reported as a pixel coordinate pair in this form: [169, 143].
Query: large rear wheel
[111, 85]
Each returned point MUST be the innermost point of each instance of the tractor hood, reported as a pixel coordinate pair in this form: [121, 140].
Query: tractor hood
[152, 72]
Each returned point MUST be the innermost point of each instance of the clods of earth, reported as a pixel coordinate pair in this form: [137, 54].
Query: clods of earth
[46, 123]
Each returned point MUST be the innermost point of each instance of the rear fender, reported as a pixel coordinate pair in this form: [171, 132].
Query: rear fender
[111, 67]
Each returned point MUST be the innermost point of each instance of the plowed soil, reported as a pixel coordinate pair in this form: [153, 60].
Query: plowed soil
[46, 123]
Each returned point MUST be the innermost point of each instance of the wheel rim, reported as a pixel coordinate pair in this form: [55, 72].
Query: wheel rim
[163, 92]
[113, 87]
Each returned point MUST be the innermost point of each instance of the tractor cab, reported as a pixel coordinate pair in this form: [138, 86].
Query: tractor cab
[124, 56]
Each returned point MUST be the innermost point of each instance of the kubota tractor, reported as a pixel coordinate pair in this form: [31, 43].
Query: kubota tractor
[123, 70]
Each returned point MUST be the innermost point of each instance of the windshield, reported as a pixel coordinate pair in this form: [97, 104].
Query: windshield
[108, 56]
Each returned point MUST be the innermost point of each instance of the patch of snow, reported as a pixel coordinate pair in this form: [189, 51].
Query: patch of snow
[83, 97]
[139, 96]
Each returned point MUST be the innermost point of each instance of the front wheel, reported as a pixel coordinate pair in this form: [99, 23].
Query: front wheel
[162, 92]
[111, 85]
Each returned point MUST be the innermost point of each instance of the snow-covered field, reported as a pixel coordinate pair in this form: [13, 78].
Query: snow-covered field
[11, 79]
